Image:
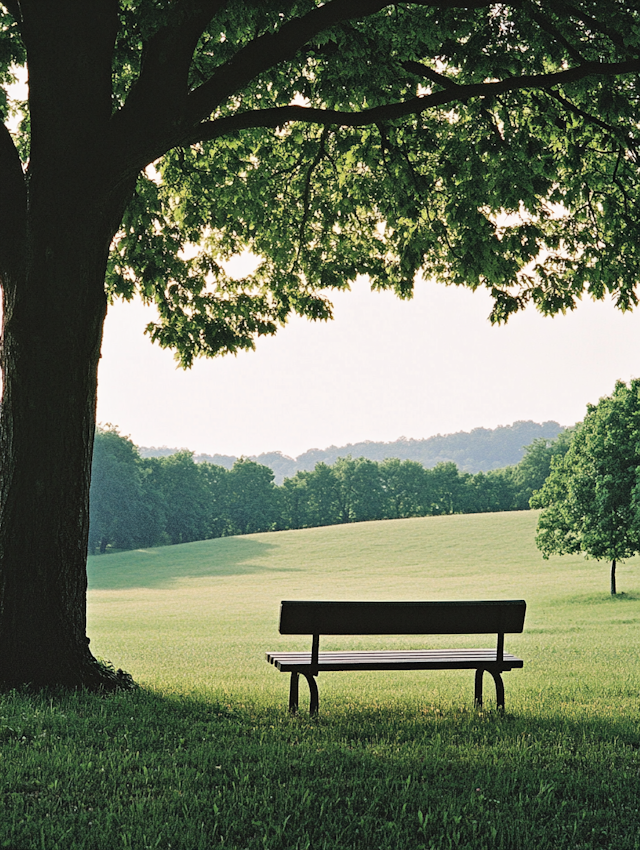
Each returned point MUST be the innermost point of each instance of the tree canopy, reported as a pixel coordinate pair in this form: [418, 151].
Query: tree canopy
[483, 144]
[591, 499]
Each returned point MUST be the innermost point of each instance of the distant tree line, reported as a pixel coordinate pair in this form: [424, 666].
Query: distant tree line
[149, 501]
[479, 450]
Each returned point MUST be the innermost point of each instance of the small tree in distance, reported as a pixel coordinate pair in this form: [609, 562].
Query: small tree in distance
[591, 499]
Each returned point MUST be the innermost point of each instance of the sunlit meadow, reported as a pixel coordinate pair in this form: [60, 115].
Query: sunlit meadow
[204, 753]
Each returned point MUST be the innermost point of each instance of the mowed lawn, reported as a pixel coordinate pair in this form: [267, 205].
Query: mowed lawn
[205, 755]
[201, 615]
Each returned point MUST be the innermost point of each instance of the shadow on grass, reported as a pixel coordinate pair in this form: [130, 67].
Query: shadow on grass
[603, 598]
[163, 566]
[143, 711]
[154, 766]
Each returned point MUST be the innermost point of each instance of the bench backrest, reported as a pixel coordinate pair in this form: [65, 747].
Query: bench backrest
[402, 618]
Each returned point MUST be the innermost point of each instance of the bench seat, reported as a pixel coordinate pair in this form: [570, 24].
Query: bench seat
[407, 659]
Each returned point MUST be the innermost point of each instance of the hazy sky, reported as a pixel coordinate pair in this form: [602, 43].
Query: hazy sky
[382, 369]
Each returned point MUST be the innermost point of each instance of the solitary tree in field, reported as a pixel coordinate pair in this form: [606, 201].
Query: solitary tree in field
[481, 143]
[591, 499]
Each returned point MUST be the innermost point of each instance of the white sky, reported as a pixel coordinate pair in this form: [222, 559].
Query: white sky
[382, 369]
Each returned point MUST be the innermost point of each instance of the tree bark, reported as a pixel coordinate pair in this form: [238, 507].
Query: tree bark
[52, 333]
[613, 577]
[64, 213]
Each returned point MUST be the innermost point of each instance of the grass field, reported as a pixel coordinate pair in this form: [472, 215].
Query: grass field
[205, 755]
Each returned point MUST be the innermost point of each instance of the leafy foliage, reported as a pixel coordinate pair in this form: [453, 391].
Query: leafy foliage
[526, 192]
[535, 467]
[483, 144]
[122, 513]
[153, 501]
[591, 499]
[251, 499]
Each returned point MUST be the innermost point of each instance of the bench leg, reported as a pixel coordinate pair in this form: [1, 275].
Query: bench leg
[478, 693]
[293, 693]
[497, 678]
[313, 693]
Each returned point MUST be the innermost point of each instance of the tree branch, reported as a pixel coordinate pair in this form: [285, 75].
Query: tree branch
[421, 70]
[13, 204]
[13, 7]
[551, 29]
[167, 56]
[306, 194]
[616, 132]
[270, 49]
[278, 116]
[613, 35]
[158, 114]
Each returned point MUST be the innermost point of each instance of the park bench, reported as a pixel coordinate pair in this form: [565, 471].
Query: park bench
[398, 618]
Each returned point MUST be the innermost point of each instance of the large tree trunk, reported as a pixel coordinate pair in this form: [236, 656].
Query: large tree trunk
[55, 232]
[51, 348]
[613, 577]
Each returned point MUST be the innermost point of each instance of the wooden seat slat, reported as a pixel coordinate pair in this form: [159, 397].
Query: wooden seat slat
[411, 653]
[379, 661]
[354, 658]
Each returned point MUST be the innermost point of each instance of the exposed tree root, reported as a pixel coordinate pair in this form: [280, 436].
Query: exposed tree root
[92, 675]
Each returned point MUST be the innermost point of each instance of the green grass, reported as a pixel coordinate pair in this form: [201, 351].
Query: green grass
[204, 754]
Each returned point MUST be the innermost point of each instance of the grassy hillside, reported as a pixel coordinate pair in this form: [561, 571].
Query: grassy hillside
[206, 755]
[201, 615]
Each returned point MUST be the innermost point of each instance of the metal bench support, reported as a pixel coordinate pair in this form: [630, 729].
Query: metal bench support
[497, 678]
[313, 692]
